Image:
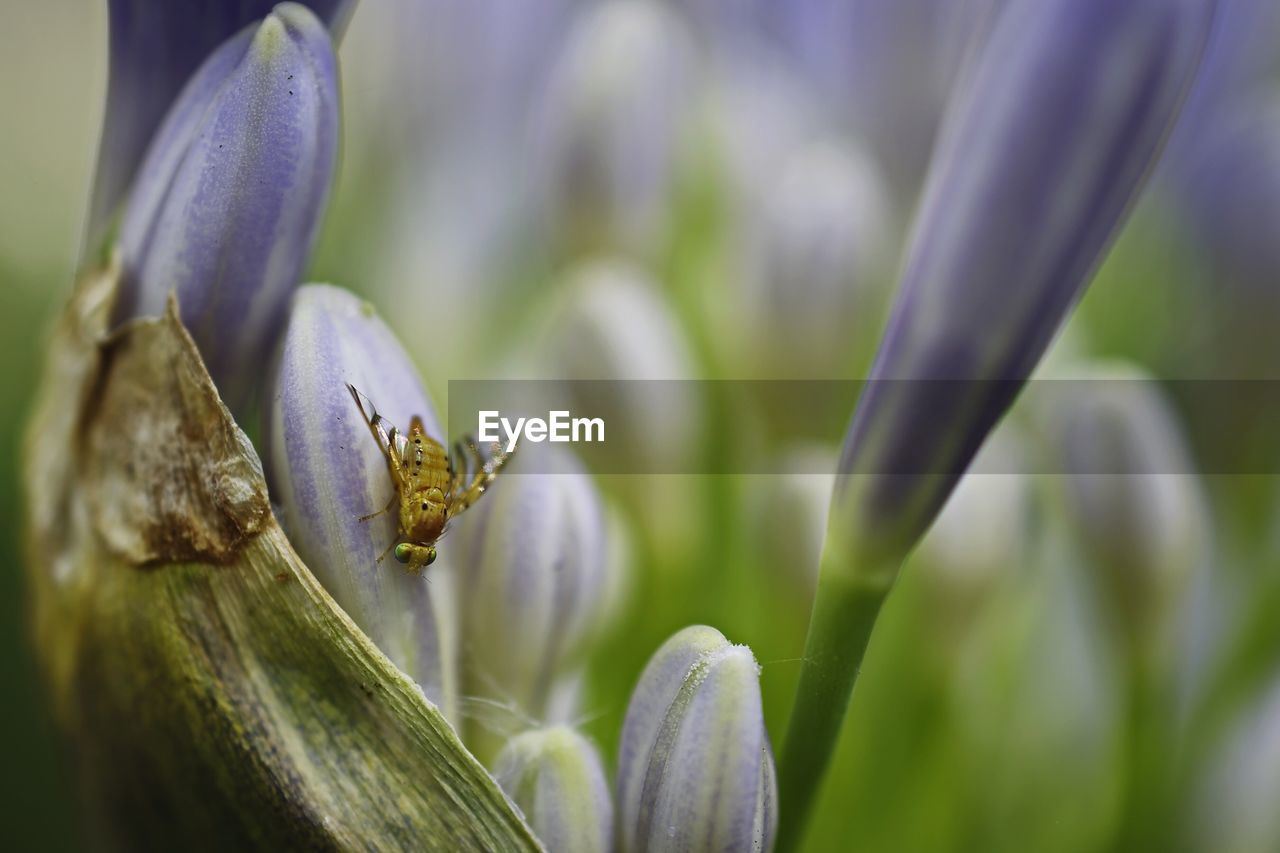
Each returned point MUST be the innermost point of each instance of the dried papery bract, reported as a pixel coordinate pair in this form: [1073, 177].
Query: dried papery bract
[215, 695]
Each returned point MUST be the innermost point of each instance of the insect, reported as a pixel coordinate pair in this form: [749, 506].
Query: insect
[431, 487]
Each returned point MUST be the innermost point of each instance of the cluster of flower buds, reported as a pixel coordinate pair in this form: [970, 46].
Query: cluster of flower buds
[223, 214]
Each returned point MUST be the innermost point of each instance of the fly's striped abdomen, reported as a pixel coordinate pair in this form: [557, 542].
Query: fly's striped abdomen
[425, 512]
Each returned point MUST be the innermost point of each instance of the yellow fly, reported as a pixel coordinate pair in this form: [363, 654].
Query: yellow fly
[431, 487]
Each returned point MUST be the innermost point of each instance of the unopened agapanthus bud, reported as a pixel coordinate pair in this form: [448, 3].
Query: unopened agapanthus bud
[613, 333]
[984, 529]
[556, 778]
[327, 472]
[1236, 796]
[790, 516]
[983, 539]
[533, 578]
[812, 260]
[1130, 486]
[154, 49]
[612, 323]
[1234, 194]
[613, 116]
[1041, 155]
[695, 768]
[229, 199]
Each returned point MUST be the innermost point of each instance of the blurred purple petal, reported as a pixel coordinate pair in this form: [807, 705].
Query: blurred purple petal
[1038, 163]
[230, 197]
[155, 46]
[1238, 75]
[1233, 186]
[326, 471]
[885, 68]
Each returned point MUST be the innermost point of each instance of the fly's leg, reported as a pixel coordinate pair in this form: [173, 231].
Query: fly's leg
[395, 448]
[384, 554]
[457, 468]
[466, 491]
[386, 509]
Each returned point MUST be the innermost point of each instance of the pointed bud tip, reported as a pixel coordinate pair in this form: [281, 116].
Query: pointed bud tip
[557, 779]
[695, 724]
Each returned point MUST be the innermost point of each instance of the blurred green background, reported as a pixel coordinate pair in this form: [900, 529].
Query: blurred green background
[51, 96]
[998, 705]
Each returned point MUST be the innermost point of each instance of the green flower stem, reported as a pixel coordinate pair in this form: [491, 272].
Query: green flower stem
[1153, 758]
[844, 615]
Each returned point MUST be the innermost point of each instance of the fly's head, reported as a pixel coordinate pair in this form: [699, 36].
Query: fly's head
[415, 557]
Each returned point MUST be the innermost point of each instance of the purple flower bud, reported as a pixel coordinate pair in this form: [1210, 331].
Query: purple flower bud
[612, 322]
[611, 125]
[533, 580]
[154, 49]
[813, 259]
[1039, 160]
[1130, 487]
[327, 471]
[790, 517]
[1238, 62]
[984, 529]
[695, 769]
[556, 778]
[229, 199]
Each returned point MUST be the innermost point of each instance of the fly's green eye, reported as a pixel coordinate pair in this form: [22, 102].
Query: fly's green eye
[431, 556]
[402, 552]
